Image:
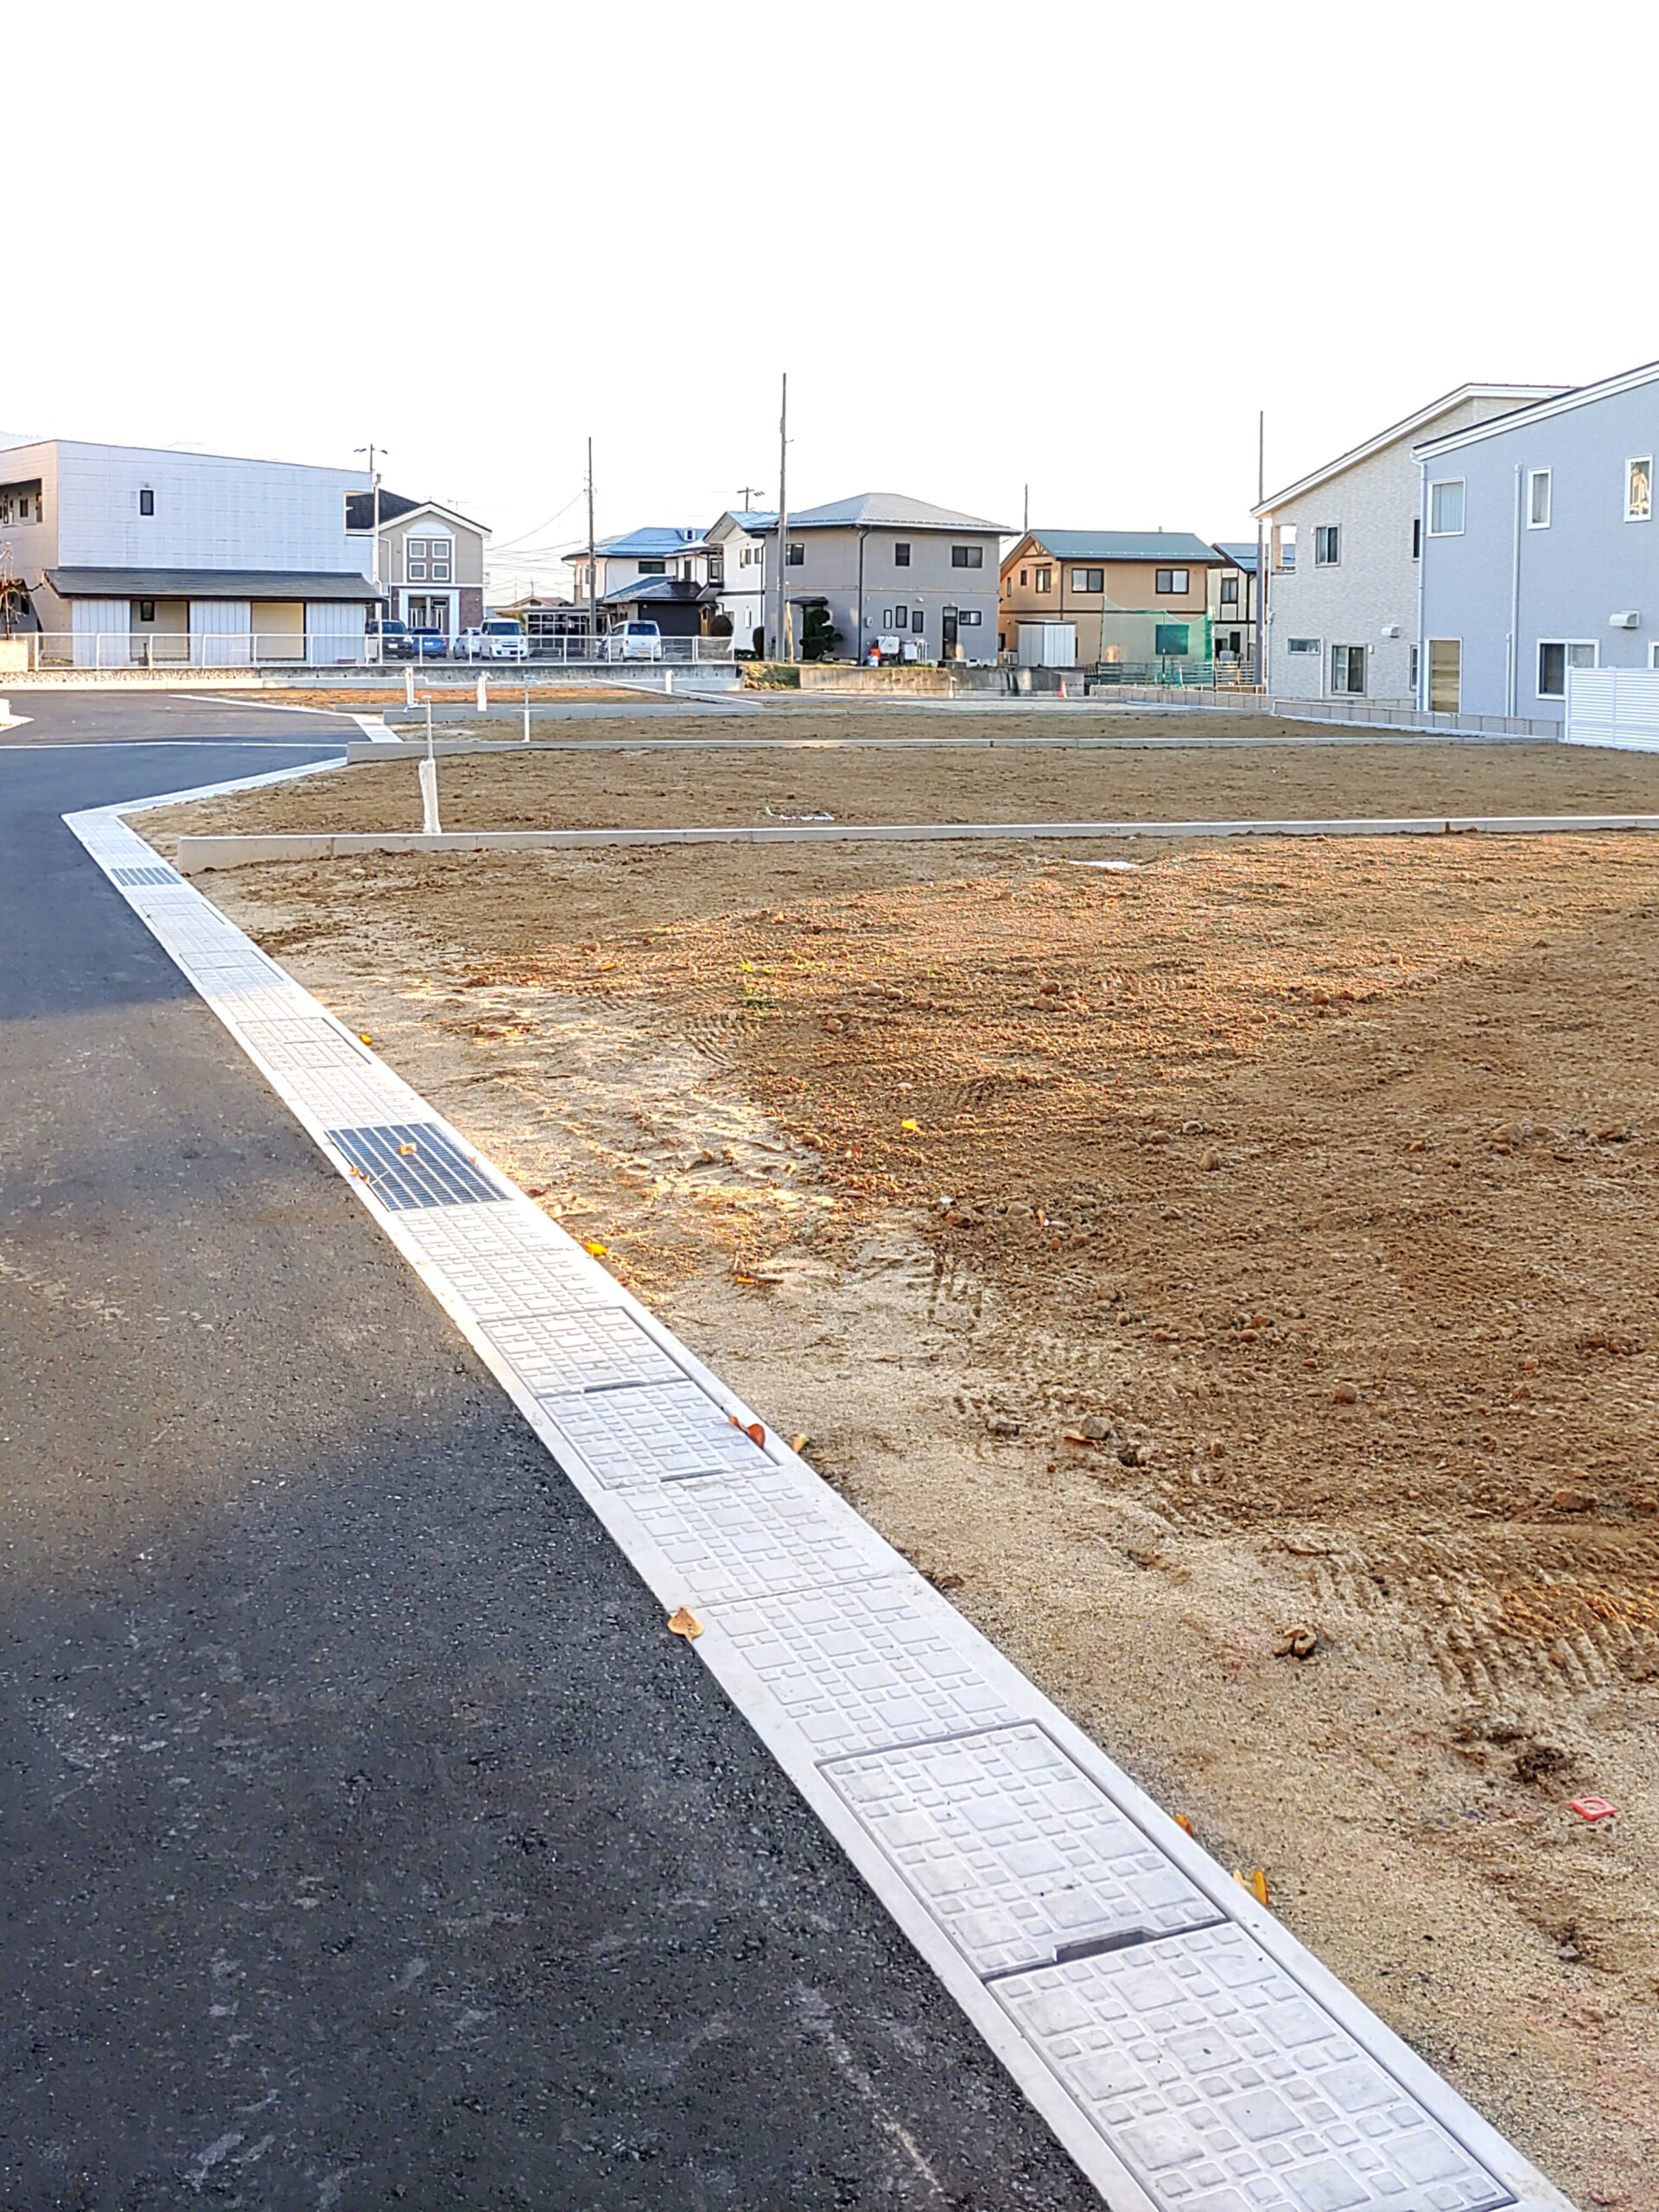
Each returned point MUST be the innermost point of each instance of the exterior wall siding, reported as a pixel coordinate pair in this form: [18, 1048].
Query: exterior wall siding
[212, 511]
[830, 571]
[1567, 579]
[1374, 582]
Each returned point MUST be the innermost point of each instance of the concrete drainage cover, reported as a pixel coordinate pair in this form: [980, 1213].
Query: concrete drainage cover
[131, 879]
[782, 1530]
[1224, 2088]
[435, 1172]
[600, 1349]
[1017, 1855]
[653, 1433]
[857, 1667]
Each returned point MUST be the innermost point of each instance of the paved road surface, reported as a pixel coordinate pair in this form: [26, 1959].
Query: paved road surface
[363, 1839]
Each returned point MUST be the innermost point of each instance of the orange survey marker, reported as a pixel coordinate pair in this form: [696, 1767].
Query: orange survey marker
[1591, 1808]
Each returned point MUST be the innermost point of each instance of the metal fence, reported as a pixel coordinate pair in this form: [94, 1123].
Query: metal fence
[127, 649]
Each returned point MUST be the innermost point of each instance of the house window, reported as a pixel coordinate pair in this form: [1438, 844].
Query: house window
[146, 610]
[1171, 583]
[918, 619]
[415, 560]
[1411, 678]
[1301, 645]
[442, 549]
[898, 617]
[1555, 656]
[1088, 579]
[1445, 508]
[967, 556]
[1416, 537]
[797, 554]
[653, 567]
[1023, 576]
[1170, 640]
[970, 616]
[1044, 580]
[1638, 490]
[1327, 545]
[1229, 591]
[1445, 674]
[146, 501]
[716, 568]
[1347, 669]
[901, 554]
[1538, 499]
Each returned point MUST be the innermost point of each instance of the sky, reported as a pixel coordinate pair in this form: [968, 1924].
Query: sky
[1075, 252]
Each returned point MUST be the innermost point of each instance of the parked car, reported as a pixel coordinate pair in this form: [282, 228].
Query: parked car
[429, 645]
[394, 641]
[632, 641]
[495, 639]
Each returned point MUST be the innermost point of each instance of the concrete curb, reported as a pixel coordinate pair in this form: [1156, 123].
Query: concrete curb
[197, 854]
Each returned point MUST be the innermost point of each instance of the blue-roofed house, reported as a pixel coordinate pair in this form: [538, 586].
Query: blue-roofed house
[659, 554]
[737, 571]
[1135, 597]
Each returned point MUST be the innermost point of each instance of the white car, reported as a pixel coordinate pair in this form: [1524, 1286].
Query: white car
[633, 641]
[496, 640]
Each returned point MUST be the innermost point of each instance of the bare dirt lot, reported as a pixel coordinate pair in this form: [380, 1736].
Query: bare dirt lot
[1244, 1252]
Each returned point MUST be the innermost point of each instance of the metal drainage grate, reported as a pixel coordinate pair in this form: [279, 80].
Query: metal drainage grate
[415, 1164]
[130, 878]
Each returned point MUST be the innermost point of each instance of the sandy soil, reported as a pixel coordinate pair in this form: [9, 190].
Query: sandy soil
[1154, 767]
[1250, 1245]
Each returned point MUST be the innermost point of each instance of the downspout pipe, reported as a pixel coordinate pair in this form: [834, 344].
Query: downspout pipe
[1512, 684]
[1422, 566]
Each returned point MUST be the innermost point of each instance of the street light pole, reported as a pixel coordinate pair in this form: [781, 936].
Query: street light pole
[593, 564]
[374, 546]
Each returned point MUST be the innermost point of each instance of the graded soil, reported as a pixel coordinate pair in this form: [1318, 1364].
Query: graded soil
[1226, 1270]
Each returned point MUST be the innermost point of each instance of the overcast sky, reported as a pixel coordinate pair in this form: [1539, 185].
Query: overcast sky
[1075, 247]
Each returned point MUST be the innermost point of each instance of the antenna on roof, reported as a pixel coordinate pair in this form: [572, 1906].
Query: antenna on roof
[746, 489]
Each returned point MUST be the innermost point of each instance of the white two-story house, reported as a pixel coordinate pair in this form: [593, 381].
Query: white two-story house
[137, 555]
[1344, 554]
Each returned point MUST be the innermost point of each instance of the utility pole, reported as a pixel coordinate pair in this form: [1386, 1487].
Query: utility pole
[1258, 672]
[783, 638]
[593, 563]
[1025, 518]
[746, 489]
[374, 549]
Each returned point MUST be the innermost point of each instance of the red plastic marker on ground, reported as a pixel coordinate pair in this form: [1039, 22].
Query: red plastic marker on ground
[1592, 1808]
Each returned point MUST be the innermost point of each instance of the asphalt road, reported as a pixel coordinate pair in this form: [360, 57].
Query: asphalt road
[364, 1840]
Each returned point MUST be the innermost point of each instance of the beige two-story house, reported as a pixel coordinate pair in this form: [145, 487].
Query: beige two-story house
[431, 561]
[1134, 596]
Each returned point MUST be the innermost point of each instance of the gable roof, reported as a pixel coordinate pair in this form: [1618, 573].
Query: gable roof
[1555, 402]
[1521, 395]
[756, 521]
[889, 510]
[1121, 545]
[359, 510]
[653, 590]
[653, 541]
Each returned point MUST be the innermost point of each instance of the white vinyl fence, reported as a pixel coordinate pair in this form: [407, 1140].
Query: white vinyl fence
[323, 646]
[1613, 706]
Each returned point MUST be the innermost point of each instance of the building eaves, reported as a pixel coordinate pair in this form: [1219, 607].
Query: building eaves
[394, 506]
[1524, 395]
[210, 584]
[1557, 402]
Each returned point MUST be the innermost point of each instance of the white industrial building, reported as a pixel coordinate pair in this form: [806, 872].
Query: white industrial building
[138, 555]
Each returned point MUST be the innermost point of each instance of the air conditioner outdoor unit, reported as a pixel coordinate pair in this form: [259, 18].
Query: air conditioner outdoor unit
[1391, 630]
[1629, 619]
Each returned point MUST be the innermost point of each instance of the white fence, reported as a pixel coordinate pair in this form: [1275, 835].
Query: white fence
[1613, 706]
[161, 650]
